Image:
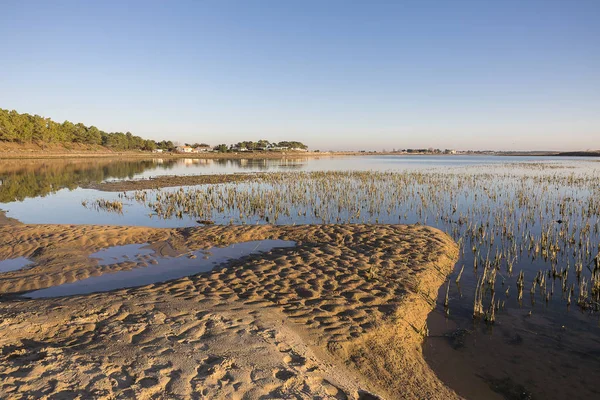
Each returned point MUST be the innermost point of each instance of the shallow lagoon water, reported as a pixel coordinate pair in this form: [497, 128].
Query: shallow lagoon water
[550, 353]
[14, 264]
[36, 195]
[152, 269]
[22, 179]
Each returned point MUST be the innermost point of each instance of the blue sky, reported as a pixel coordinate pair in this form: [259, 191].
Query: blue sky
[512, 75]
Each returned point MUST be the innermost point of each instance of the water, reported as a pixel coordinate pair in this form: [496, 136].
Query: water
[150, 268]
[59, 182]
[119, 254]
[496, 206]
[21, 179]
[14, 264]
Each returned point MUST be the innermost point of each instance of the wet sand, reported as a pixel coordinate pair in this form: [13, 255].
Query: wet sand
[340, 315]
[4, 220]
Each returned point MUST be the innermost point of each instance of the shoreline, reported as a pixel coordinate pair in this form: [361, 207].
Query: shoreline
[95, 154]
[146, 155]
[316, 313]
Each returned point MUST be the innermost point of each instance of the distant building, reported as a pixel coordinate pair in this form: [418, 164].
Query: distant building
[184, 149]
[202, 149]
[158, 151]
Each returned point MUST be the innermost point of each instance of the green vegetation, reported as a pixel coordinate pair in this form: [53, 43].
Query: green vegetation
[221, 148]
[165, 145]
[26, 128]
[22, 179]
[262, 145]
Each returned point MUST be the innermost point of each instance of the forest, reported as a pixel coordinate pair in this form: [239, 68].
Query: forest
[26, 128]
[261, 145]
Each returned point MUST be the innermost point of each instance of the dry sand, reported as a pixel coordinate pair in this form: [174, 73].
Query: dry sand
[340, 315]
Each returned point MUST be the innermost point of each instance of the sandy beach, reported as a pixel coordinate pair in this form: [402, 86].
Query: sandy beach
[341, 315]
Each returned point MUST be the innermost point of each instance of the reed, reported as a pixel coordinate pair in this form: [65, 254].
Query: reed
[508, 217]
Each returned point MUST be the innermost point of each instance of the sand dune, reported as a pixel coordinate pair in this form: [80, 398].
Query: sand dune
[339, 316]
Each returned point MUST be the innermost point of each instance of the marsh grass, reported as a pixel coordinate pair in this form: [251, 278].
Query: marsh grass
[533, 217]
[104, 205]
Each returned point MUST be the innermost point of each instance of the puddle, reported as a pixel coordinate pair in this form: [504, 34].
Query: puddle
[119, 254]
[158, 269]
[13, 264]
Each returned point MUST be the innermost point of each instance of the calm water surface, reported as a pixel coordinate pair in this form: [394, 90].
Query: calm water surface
[496, 207]
[14, 264]
[24, 182]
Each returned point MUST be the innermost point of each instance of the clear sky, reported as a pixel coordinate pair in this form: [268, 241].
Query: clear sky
[505, 74]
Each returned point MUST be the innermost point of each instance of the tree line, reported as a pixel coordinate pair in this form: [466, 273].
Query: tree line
[26, 128]
[260, 145]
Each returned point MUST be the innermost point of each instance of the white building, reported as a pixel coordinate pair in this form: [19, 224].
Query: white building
[184, 149]
[202, 149]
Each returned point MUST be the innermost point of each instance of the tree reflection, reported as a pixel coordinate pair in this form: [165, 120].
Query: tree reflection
[20, 179]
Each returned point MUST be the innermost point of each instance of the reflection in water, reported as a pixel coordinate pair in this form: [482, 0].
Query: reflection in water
[151, 268]
[119, 254]
[255, 164]
[21, 179]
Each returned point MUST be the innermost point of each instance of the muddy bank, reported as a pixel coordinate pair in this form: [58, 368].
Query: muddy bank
[340, 314]
[173, 181]
[4, 220]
